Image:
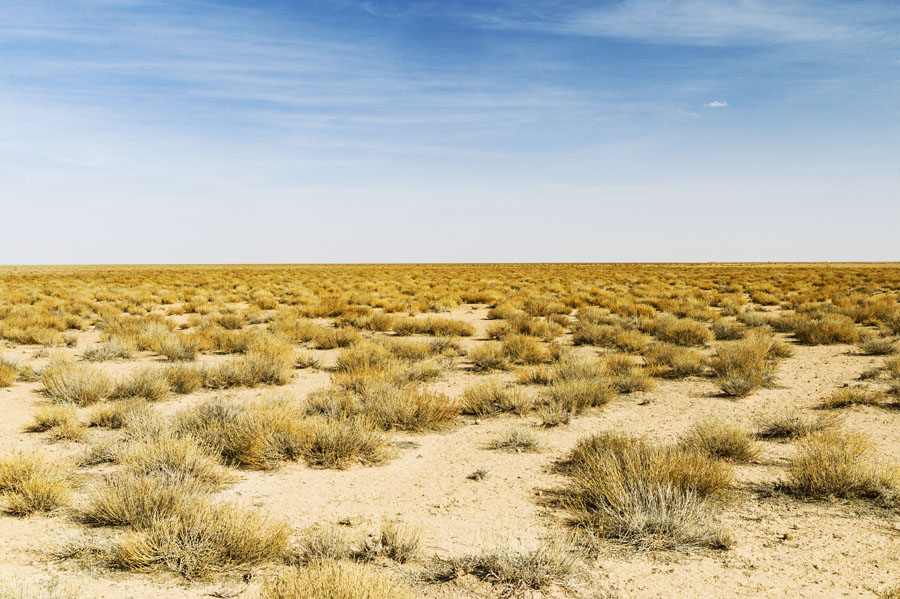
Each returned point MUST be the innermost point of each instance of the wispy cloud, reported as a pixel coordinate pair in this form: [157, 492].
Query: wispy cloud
[716, 104]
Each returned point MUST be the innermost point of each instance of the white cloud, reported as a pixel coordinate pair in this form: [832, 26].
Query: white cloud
[716, 104]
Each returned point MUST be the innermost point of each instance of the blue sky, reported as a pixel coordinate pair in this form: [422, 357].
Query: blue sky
[369, 131]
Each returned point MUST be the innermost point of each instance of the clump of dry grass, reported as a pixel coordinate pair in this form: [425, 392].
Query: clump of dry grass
[835, 463]
[8, 372]
[826, 330]
[254, 435]
[433, 325]
[335, 580]
[151, 384]
[178, 348]
[577, 394]
[857, 395]
[673, 361]
[792, 425]
[396, 541]
[30, 483]
[270, 365]
[49, 417]
[494, 397]
[625, 375]
[879, 346]
[75, 383]
[202, 539]
[524, 349]
[681, 331]
[403, 408]
[552, 562]
[489, 356]
[114, 349]
[743, 366]
[725, 330]
[116, 414]
[517, 440]
[322, 543]
[337, 443]
[137, 500]
[626, 489]
[721, 440]
[183, 378]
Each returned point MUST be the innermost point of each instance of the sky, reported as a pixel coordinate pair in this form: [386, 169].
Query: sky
[214, 131]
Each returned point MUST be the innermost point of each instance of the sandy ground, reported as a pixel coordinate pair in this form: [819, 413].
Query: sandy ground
[784, 547]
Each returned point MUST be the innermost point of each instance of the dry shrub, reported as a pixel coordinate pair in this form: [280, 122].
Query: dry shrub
[49, 417]
[335, 580]
[322, 543]
[724, 330]
[536, 375]
[575, 395]
[117, 414]
[673, 361]
[61, 420]
[8, 372]
[396, 541]
[151, 384]
[255, 435]
[178, 348]
[879, 346]
[625, 375]
[261, 366]
[517, 440]
[201, 540]
[494, 397]
[627, 489]
[337, 443]
[721, 440]
[75, 383]
[488, 356]
[835, 463]
[553, 414]
[30, 483]
[570, 366]
[169, 455]
[137, 500]
[793, 424]
[858, 395]
[552, 562]
[524, 349]
[110, 350]
[827, 330]
[610, 336]
[743, 366]
[407, 408]
[681, 331]
[433, 325]
[183, 379]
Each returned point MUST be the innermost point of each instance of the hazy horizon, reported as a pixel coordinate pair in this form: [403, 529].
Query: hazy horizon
[142, 132]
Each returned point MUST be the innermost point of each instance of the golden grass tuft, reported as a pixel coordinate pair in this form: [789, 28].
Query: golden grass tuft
[151, 384]
[839, 464]
[577, 394]
[202, 539]
[75, 383]
[517, 440]
[29, 482]
[552, 562]
[494, 397]
[857, 395]
[183, 378]
[489, 356]
[335, 580]
[626, 489]
[793, 424]
[827, 330]
[743, 366]
[8, 372]
[721, 440]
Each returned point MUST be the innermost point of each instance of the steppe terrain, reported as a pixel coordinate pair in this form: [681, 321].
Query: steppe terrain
[450, 431]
